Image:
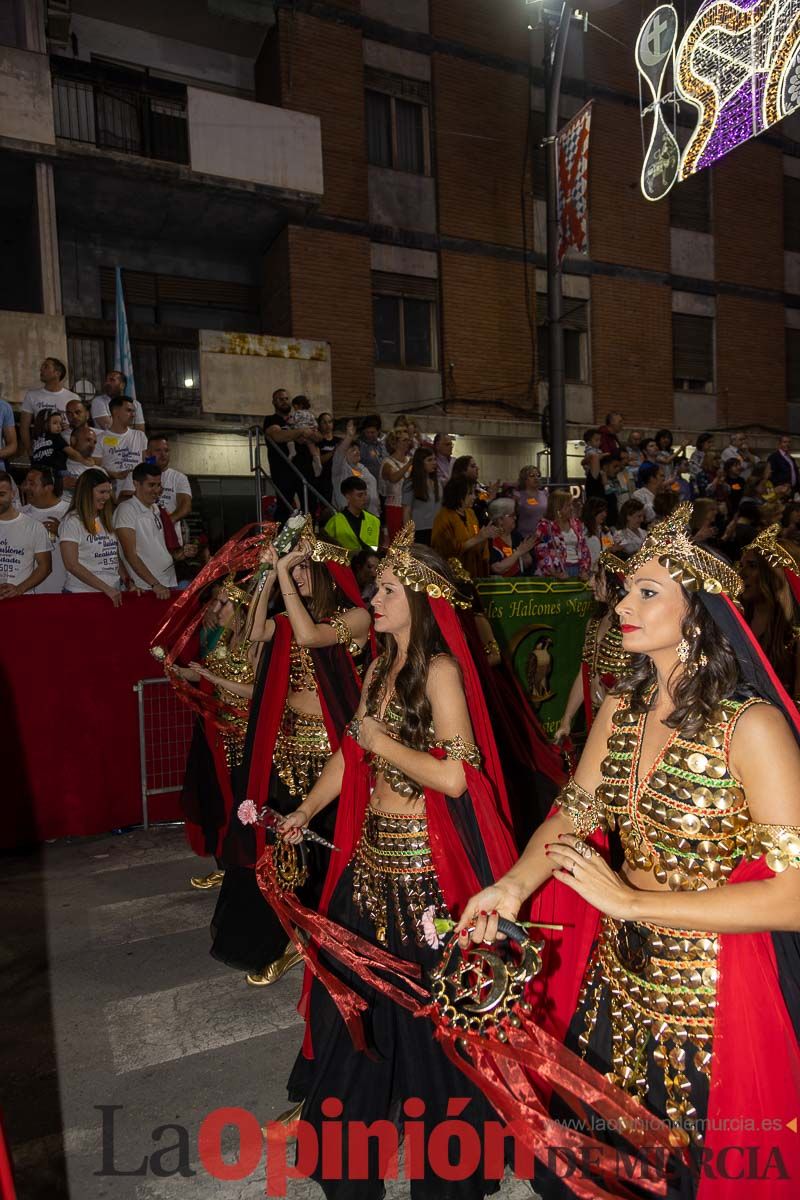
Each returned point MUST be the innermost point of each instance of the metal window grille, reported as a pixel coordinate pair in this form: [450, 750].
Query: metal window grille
[119, 111]
[165, 732]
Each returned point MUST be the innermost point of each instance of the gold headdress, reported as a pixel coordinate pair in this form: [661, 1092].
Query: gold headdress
[237, 595]
[690, 565]
[419, 576]
[611, 561]
[323, 551]
[767, 544]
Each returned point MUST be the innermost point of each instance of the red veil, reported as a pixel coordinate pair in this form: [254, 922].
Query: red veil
[752, 1099]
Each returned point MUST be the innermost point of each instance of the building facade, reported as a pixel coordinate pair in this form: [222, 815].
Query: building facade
[368, 174]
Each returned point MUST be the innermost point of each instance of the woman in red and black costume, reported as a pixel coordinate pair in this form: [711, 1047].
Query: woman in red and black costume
[308, 684]
[419, 783]
[533, 768]
[691, 997]
[770, 570]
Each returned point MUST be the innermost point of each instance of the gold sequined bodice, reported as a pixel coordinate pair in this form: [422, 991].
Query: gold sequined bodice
[687, 819]
[301, 669]
[232, 663]
[604, 656]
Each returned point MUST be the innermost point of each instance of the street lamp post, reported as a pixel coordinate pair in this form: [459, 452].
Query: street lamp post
[557, 23]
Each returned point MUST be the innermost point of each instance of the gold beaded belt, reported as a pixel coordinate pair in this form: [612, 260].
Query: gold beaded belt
[394, 875]
[662, 994]
[233, 732]
[301, 750]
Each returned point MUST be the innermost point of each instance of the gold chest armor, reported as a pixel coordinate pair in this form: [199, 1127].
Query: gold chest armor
[687, 820]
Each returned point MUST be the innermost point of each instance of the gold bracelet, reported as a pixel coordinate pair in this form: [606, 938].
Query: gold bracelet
[491, 648]
[586, 812]
[288, 593]
[458, 750]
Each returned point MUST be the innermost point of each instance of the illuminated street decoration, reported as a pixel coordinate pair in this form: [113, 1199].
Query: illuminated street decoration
[655, 49]
[738, 65]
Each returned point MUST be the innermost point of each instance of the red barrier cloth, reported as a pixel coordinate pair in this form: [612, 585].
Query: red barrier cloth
[70, 732]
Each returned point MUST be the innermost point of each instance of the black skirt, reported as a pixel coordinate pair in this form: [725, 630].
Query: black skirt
[405, 1061]
[682, 1177]
[245, 932]
[202, 802]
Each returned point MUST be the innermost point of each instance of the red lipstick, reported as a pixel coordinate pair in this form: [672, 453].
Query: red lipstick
[629, 628]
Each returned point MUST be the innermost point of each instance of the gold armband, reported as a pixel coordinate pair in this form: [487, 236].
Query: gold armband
[779, 843]
[491, 648]
[344, 635]
[460, 751]
[586, 812]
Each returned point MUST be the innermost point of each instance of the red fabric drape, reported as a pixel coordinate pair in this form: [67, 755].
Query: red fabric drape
[751, 1097]
[70, 734]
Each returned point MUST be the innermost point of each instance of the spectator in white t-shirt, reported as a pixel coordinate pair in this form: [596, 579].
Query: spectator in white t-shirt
[52, 394]
[45, 503]
[8, 433]
[120, 448]
[140, 530]
[89, 545]
[82, 442]
[25, 555]
[115, 384]
[176, 492]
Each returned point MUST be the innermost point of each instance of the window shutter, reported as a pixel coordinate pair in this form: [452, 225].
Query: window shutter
[385, 283]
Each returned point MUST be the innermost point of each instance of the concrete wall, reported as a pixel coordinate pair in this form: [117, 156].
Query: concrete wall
[26, 96]
[402, 200]
[210, 453]
[239, 139]
[239, 372]
[25, 339]
[692, 253]
[402, 14]
[399, 390]
[129, 45]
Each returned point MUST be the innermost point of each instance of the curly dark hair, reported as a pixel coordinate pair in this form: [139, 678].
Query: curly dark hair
[424, 643]
[697, 695]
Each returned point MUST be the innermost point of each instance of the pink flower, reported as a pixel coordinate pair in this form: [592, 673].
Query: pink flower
[247, 812]
[428, 922]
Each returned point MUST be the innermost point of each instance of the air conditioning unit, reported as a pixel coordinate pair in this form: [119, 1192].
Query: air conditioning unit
[59, 19]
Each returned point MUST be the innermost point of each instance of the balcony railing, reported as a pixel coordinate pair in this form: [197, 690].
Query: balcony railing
[116, 109]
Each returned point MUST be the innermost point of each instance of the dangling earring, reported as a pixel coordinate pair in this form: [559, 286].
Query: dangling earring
[684, 650]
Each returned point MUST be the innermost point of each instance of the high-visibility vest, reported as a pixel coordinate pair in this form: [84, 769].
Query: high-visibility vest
[340, 530]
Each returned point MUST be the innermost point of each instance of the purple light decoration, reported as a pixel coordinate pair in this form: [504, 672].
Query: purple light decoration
[738, 120]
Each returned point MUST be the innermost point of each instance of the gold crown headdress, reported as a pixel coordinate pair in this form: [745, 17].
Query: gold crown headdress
[236, 594]
[417, 575]
[688, 564]
[768, 545]
[323, 551]
[611, 561]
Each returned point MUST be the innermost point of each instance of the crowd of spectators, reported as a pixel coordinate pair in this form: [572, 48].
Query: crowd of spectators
[378, 479]
[98, 508]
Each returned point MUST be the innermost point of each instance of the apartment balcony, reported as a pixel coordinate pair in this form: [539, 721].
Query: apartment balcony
[133, 113]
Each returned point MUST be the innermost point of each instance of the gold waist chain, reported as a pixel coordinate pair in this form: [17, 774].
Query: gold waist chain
[662, 995]
[394, 876]
[301, 750]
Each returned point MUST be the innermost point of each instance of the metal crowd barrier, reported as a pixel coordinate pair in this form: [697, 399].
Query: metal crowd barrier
[165, 731]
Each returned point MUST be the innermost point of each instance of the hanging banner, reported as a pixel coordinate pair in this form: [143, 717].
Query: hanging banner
[540, 624]
[572, 158]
